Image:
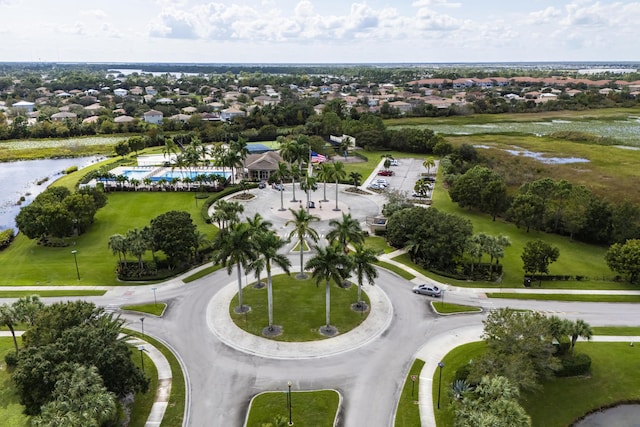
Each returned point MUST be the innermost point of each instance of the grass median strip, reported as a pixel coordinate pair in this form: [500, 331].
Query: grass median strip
[155, 309]
[308, 408]
[623, 331]
[202, 273]
[448, 308]
[45, 294]
[408, 413]
[566, 297]
[394, 268]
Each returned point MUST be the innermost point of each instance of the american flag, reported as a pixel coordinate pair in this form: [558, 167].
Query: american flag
[317, 158]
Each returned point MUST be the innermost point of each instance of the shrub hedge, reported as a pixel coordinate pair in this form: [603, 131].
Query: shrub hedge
[580, 364]
[6, 237]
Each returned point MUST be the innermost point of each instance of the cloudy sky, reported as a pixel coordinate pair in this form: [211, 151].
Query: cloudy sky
[319, 31]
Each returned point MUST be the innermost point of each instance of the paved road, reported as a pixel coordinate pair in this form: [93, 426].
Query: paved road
[222, 379]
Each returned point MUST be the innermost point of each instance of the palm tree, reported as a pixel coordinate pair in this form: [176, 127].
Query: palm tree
[137, 244]
[240, 148]
[329, 264]
[363, 260]
[577, 329]
[268, 244]
[233, 246]
[345, 231]
[226, 213]
[325, 174]
[117, 246]
[258, 224]
[302, 228]
[308, 183]
[338, 174]
[281, 174]
[9, 318]
[428, 164]
[355, 178]
[294, 173]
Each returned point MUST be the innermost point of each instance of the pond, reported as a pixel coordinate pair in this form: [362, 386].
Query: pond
[28, 179]
[626, 131]
[619, 416]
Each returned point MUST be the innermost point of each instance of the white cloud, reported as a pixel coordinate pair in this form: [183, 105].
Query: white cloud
[549, 14]
[96, 13]
[443, 3]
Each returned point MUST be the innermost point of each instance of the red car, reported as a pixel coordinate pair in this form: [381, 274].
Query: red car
[385, 172]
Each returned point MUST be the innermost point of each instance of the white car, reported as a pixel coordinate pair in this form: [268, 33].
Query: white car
[382, 182]
[432, 291]
[394, 162]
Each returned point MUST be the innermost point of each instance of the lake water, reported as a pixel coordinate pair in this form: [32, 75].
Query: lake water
[20, 179]
[619, 416]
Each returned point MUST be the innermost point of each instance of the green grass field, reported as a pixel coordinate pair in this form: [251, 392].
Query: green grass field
[567, 297]
[299, 307]
[308, 408]
[616, 330]
[614, 378]
[394, 268]
[44, 294]
[27, 264]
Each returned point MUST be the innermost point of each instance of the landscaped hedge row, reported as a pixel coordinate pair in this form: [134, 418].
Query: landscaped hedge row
[580, 364]
[204, 211]
[6, 237]
[556, 277]
[70, 169]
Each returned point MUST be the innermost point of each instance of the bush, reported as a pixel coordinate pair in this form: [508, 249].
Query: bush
[11, 359]
[6, 237]
[70, 169]
[580, 364]
[463, 373]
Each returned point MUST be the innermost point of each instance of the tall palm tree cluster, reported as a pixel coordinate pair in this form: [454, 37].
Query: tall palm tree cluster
[253, 245]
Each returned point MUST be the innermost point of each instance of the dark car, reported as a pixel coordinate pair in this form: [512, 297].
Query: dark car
[431, 290]
[262, 184]
[311, 205]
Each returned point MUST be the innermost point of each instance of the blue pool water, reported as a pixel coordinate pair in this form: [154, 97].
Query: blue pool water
[181, 174]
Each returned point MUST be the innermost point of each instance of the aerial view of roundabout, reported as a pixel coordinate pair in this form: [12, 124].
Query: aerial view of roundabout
[385, 346]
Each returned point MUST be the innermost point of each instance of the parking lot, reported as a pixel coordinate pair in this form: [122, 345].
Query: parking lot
[404, 177]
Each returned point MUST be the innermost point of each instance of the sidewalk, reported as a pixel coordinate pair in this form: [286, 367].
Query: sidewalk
[421, 278]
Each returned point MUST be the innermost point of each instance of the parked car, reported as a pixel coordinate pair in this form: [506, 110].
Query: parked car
[375, 186]
[262, 184]
[278, 186]
[394, 162]
[385, 172]
[432, 291]
[382, 182]
[311, 205]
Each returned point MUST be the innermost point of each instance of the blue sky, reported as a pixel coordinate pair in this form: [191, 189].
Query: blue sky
[319, 31]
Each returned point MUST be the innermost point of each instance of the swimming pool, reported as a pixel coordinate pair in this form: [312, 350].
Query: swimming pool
[182, 173]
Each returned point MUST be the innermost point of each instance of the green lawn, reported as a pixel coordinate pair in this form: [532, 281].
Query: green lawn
[614, 378]
[378, 244]
[567, 297]
[616, 330]
[455, 359]
[448, 308]
[10, 407]
[204, 272]
[155, 309]
[408, 413]
[299, 307]
[27, 264]
[308, 408]
[398, 270]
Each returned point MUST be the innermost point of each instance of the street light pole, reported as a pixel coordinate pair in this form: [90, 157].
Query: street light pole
[141, 348]
[142, 324]
[289, 401]
[440, 365]
[155, 301]
[75, 259]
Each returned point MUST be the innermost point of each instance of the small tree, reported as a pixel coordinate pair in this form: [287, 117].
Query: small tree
[537, 256]
[624, 259]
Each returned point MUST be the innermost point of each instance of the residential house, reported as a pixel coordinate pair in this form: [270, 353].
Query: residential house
[231, 113]
[123, 119]
[120, 92]
[63, 115]
[261, 166]
[24, 106]
[153, 117]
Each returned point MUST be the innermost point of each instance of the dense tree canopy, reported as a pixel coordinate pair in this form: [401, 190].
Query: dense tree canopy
[65, 335]
[538, 255]
[624, 259]
[175, 234]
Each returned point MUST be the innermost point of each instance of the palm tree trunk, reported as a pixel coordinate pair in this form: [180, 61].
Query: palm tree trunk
[336, 208]
[359, 293]
[282, 197]
[239, 285]
[293, 187]
[325, 192]
[13, 334]
[269, 297]
[301, 256]
[328, 303]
